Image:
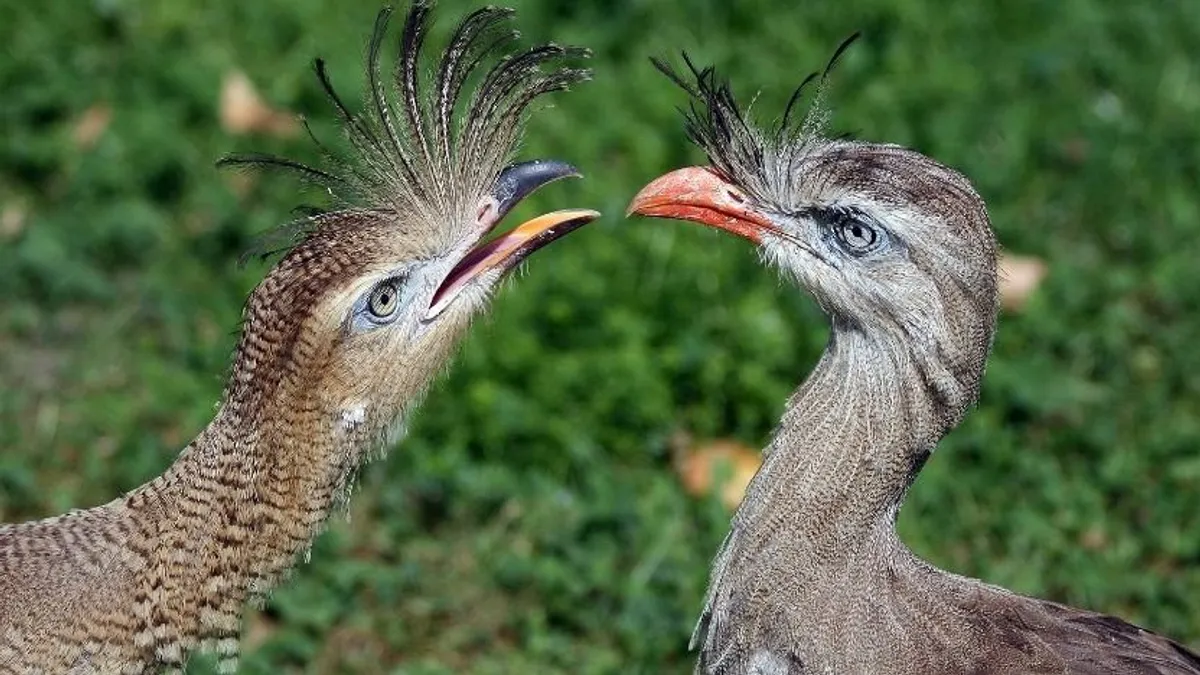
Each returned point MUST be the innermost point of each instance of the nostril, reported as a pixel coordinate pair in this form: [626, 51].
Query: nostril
[487, 211]
[735, 197]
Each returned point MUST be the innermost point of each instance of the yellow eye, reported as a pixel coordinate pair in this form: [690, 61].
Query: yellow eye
[383, 300]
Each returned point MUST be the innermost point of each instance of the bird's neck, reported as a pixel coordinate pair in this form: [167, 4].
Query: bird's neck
[851, 442]
[237, 507]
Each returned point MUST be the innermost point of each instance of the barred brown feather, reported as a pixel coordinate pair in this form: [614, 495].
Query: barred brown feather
[140, 583]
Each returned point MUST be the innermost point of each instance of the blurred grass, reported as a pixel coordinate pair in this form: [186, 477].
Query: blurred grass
[531, 522]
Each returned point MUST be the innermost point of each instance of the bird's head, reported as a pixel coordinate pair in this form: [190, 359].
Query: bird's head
[351, 325]
[893, 245]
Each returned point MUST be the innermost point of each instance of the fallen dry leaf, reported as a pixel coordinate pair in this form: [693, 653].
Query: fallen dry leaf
[91, 125]
[12, 220]
[1094, 539]
[243, 111]
[1020, 276]
[728, 461]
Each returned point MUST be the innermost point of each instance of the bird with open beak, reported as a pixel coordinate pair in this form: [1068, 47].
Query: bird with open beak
[338, 343]
[899, 252]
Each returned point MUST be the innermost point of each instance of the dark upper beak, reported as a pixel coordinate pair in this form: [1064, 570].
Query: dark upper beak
[505, 252]
[518, 181]
[701, 195]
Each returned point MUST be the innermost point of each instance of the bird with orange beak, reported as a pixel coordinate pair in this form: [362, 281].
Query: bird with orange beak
[898, 250]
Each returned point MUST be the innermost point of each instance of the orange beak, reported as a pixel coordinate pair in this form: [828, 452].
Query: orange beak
[505, 252]
[699, 194]
[508, 250]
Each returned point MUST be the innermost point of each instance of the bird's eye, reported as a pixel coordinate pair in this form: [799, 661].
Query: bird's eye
[854, 231]
[856, 236]
[377, 307]
[384, 299]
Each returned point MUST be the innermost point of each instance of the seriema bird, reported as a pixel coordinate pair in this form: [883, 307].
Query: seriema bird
[898, 251]
[337, 345]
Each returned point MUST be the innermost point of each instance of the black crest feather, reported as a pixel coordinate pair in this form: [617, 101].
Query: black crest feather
[429, 151]
[761, 161]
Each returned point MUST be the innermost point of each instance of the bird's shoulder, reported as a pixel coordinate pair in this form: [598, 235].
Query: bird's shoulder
[1021, 629]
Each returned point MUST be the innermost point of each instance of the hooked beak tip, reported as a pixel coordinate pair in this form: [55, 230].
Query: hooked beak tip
[517, 181]
[701, 195]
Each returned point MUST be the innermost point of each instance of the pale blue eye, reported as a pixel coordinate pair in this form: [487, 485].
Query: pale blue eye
[852, 230]
[856, 236]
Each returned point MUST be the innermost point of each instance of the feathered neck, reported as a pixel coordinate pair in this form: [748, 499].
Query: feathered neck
[229, 518]
[850, 443]
[854, 436]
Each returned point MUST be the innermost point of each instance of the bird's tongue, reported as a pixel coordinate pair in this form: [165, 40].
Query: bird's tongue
[507, 251]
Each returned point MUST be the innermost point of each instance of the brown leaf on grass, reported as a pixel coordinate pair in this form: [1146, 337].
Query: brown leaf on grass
[722, 466]
[243, 110]
[1094, 538]
[1020, 276]
[91, 125]
[12, 220]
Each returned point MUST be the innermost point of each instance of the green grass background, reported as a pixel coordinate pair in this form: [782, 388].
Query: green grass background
[532, 522]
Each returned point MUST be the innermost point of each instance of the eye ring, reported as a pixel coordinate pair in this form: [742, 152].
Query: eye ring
[384, 299]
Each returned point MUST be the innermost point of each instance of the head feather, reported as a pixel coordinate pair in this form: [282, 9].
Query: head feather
[430, 161]
[761, 161]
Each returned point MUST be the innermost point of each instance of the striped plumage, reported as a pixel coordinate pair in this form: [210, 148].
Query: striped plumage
[899, 252]
[338, 343]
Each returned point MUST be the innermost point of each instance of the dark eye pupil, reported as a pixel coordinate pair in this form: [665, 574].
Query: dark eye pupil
[858, 235]
[853, 230]
[383, 301]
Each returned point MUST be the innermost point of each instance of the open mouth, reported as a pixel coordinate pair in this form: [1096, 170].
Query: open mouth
[506, 251]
